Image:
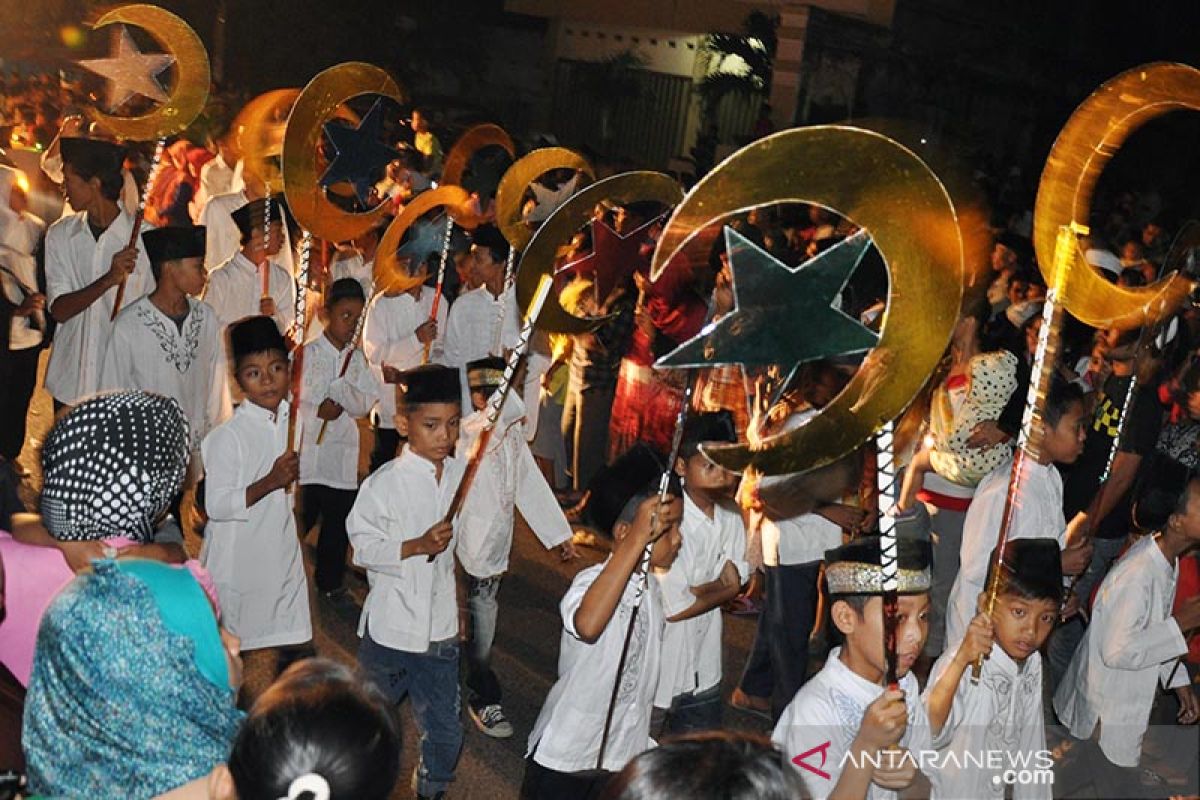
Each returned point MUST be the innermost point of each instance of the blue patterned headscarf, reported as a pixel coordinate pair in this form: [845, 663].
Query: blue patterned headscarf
[130, 692]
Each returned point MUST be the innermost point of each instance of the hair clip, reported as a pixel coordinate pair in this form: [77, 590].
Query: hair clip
[309, 782]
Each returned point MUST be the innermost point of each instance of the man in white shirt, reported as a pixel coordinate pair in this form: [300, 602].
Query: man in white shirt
[484, 321]
[235, 288]
[88, 256]
[358, 261]
[564, 757]
[1037, 514]
[221, 175]
[1135, 642]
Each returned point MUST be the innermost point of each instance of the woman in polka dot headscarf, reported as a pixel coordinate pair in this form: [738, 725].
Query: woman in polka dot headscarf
[111, 467]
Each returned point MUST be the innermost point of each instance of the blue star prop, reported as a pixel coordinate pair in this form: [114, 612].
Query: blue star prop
[360, 155]
[782, 315]
[424, 239]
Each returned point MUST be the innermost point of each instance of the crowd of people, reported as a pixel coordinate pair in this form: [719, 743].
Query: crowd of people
[201, 386]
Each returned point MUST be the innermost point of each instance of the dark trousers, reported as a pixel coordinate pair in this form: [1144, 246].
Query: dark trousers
[387, 442]
[18, 377]
[693, 712]
[778, 662]
[330, 506]
[586, 415]
[543, 783]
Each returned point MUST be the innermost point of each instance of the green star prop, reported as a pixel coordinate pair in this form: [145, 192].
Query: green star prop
[782, 315]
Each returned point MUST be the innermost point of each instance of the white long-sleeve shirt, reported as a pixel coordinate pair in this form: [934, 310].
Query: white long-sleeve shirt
[216, 177]
[253, 552]
[235, 289]
[566, 736]
[333, 462]
[149, 352]
[828, 710]
[477, 329]
[1002, 713]
[412, 601]
[691, 652]
[1131, 642]
[1038, 515]
[508, 478]
[75, 260]
[352, 265]
[222, 237]
[389, 337]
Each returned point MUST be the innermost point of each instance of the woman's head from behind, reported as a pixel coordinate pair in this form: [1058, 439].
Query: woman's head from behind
[318, 733]
[720, 765]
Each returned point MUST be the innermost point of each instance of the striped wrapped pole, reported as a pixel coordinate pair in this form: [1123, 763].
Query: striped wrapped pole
[155, 171]
[889, 556]
[441, 281]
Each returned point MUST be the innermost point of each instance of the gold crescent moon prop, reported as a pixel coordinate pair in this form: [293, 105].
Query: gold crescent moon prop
[1085, 145]
[388, 275]
[538, 258]
[316, 104]
[889, 191]
[516, 180]
[475, 139]
[189, 89]
[261, 124]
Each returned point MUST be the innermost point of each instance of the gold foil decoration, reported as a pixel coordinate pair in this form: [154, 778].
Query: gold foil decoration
[316, 105]
[517, 179]
[471, 142]
[886, 189]
[389, 275]
[1093, 134]
[538, 258]
[260, 127]
[189, 89]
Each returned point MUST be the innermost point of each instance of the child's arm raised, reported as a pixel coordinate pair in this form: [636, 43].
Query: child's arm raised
[882, 726]
[940, 697]
[602, 597]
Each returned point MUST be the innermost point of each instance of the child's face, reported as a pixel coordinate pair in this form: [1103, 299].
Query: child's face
[431, 428]
[274, 241]
[700, 474]
[1021, 625]
[1064, 442]
[189, 274]
[1189, 522]
[864, 632]
[479, 397]
[343, 319]
[264, 378]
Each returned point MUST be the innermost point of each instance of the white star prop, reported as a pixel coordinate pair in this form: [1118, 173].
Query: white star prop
[548, 200]
[129, 71]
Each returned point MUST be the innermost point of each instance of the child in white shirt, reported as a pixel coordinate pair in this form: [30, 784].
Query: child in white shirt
[508, 480]
[409, 624]
[1002, 711]
[564, 757]
[845, 733]
[709, 571]
[235, 288]
[250, 543]
[331, 401]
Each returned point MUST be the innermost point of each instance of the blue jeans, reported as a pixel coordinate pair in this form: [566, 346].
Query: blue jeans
[482, 685]
[431, 680]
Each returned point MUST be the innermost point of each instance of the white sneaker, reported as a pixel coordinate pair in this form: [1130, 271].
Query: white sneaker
[491, 721]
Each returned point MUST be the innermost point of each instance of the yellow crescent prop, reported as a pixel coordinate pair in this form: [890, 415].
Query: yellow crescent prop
[189, 89]
[1089, 140]
[470, 143]
[260, 125]
[889, 191]
[516, 180]
[316, 104]
[388, 275]
[538, 258]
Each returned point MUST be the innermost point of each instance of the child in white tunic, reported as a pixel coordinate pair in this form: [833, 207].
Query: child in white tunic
[87, 257]
[1038, 514]
[235, 289]
[508, 480]
[250, 543]
[564, 754]
[409, 624]
[1001, 713]
[170, 343]
[330, 402]
[845, 733]
[1135, 642]
[709, 572]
